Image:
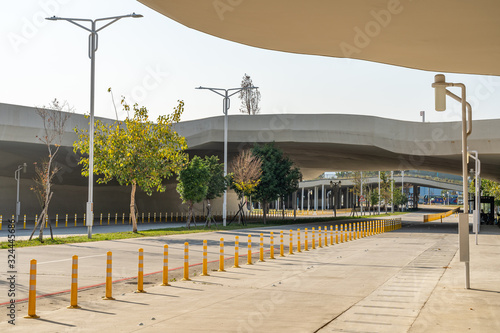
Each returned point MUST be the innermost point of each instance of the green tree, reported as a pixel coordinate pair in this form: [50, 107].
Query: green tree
[373, 197]
[217, 183]
[279, 176]
[193, 184]
[385, 188]
[400, 198]
[358, 183]
[136, 152]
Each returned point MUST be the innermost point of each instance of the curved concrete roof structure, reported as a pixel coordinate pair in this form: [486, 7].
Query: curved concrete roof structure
[330, 142]
[447, 35]
[316, 142]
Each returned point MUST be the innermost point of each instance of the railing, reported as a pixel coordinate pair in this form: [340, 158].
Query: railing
[434, 217]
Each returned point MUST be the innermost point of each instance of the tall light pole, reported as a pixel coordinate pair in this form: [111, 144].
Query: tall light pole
[93, 45]
[226, 103]
[477, 196]
[379, 193]
[392, 191]
[402, 187]
[17, 176]
[441, 92]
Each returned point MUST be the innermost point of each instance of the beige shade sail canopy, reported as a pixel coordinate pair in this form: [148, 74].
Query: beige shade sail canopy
[461, 36]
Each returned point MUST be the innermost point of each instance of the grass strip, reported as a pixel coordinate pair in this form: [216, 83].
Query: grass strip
[180, 231]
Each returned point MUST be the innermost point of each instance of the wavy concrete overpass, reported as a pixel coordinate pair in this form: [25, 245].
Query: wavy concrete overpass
[317, 143]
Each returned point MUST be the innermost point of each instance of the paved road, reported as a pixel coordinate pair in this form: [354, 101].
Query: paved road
[408, 280]
[54, 261]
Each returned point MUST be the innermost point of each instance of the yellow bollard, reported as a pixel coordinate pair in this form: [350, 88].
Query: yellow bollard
[165, 266]
[306, 241]
[24, 224]
[354, 231]
[298, 241]
[290, 247]
[159, 218]
[341, 233]
[271, 256]
[66, 221]
[236, 252]
[249, 256]
[109, 281]
[261, 248]
[1, 217]
[142, 217]
[350, 231]
[149, 217]
[123, 218]
[176, 216]
[320, 239]
[336, 234]
[282, 250]
[186, 262]
[358, 228]
[32, 292]
[154, 217]
[171, 216]
[313, 239]
[221, 256]
[326, 235]
[83, 218]
[204, 270]
[74, 284]
[57, 219]
[140, 275]
[46, 221]
[75, 219]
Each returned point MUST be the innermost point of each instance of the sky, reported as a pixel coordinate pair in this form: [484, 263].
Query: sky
[155, 61]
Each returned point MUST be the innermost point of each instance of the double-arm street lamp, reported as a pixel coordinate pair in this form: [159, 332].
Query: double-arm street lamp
[226, 103]
[93, 45]
[441, 92]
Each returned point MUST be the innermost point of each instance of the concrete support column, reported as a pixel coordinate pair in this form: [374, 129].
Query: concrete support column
[315, 198]
[322, 197]
[415, 196]
[302, 200]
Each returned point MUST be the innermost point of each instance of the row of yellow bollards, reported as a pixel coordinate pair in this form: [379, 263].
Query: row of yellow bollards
[109, 220]
[347, 232]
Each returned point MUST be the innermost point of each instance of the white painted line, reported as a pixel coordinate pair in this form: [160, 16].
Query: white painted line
[49, 262]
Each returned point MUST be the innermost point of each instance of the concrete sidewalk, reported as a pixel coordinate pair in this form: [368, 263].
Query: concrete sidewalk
[400, 281]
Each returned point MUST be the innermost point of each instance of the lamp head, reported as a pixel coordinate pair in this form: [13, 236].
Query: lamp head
[25, 166]
[52, 18]
[134, 15]
[440, 92]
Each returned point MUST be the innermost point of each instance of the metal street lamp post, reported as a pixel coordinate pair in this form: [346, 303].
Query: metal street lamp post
[477, 196]
[379, 193]
[93, 45]
[227, 93]
[441, 92]
[17, 176]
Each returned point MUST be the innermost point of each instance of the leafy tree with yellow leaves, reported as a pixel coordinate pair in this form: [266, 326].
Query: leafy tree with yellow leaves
[246, 175]
[136, 152]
